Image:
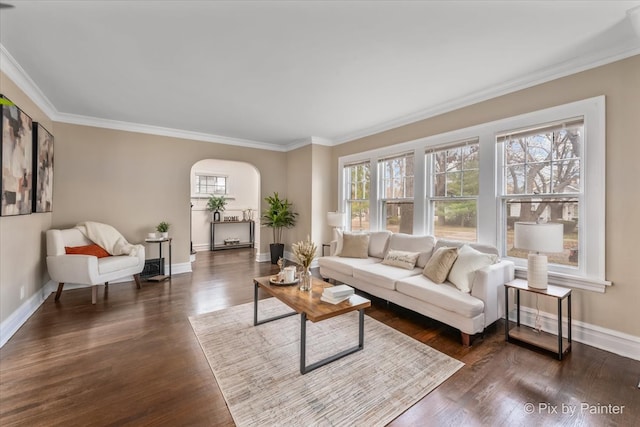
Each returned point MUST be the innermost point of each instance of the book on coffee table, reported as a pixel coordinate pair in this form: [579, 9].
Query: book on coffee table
[338, 291]
[331, 300]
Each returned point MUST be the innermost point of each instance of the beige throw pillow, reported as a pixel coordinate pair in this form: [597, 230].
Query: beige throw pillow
[402, 259]
[355, 246]
[438, 267]
[464, 269]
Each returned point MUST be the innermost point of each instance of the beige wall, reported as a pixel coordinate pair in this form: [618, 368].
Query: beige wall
[617, 309]
[133, 181]
[22, 248]
[299, 172]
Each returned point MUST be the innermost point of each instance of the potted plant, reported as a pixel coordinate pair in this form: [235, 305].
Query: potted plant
[216, 204]
[163, 229]
[278, 216]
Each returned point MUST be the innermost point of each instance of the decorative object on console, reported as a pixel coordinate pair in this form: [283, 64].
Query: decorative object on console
[538, 237]
[305, 252]
[278, 215]
[42, 169]
[163, 229]
[16, 152]
[216, 205]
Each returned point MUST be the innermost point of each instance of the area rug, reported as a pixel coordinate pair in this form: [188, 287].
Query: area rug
[257, 368]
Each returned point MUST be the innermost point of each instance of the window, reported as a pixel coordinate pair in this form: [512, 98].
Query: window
[358, 179]
[548, 163]
[542, 180]
[453, 190]
[211, 184]
[396, 183]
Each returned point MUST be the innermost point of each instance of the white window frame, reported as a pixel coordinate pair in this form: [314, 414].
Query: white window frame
[591, 273]
[198, 175]
[383, 200]
[347, 185]
[431, 198]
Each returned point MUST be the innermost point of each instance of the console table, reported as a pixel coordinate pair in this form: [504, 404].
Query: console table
[556, 344]
[240, 244]
[160, 241]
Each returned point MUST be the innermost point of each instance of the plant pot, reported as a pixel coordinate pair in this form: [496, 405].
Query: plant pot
[216, 216]
[277, 252]
[164, 235]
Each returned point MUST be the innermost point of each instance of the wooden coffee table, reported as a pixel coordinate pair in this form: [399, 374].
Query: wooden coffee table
[310, 307]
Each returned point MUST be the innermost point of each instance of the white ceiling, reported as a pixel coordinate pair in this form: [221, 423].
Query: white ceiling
[281, 74]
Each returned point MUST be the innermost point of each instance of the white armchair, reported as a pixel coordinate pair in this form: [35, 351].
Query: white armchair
[87, 269]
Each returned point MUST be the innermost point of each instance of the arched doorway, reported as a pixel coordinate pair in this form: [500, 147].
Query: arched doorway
[239, 182]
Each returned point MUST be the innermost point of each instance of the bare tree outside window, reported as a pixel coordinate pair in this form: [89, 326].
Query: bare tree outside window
[397, 175]
[359, 182]
[542, 170]
[454, 193]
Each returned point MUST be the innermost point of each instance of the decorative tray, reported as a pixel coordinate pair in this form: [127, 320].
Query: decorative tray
[274, 281]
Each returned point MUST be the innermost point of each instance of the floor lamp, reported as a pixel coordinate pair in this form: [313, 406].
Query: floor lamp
[538, 237]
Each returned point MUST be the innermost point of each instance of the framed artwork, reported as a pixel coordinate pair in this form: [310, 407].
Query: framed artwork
[42, 169]
[16, 159]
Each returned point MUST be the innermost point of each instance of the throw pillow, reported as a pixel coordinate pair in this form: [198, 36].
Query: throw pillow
[94, 250]
[355, 246]
[438, 267]
[464, 269]
[402, 259]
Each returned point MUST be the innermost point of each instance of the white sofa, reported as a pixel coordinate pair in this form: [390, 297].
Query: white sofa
[88, 269]
[470, 312]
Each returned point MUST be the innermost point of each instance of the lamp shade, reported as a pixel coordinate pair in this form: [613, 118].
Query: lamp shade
[539, 237]
[335, 219]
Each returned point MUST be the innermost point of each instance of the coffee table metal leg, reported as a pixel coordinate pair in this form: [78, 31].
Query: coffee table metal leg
[257, 322]
[303, 345]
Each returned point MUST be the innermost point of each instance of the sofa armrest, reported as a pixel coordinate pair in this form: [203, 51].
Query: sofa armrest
[488, 285]
[73, 268]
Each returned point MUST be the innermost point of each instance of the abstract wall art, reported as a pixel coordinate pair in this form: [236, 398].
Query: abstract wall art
[16, 160]
[42, 169]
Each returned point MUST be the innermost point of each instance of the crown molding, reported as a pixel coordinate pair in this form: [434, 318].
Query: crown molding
[19, 76]
[163, 131]
[566, 68]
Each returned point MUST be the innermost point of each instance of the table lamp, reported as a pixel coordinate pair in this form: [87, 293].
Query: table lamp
[335, 220]
[538, 237]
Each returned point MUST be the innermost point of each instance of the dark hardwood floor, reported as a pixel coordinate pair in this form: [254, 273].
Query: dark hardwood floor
[132, 359]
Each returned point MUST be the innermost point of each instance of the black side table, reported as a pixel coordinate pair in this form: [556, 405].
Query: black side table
[544, 340]
[160, 241]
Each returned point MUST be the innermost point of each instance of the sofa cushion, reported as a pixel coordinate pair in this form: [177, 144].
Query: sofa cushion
[445, 295]
[345, 265]
[438, 267]
[382, 275]
[115, 263]
[402, 259]
[355, 245]
[379, 243]
[411, 243]
[464, 269]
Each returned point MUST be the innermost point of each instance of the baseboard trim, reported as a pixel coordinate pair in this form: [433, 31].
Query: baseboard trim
[18, 318]
[595, 336]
